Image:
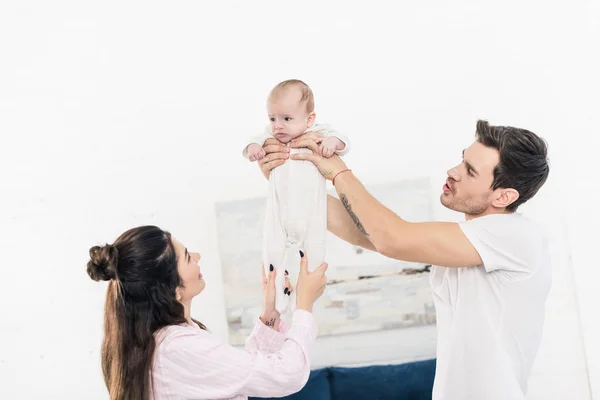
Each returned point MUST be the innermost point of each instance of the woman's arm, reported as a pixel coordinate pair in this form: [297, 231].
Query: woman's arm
[199, 366]
[265, 339]
[268, 334]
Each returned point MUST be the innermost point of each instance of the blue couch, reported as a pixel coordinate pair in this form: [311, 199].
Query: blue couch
[411, 381]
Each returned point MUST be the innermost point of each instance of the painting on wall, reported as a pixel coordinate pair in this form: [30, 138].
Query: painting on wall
[366, 291]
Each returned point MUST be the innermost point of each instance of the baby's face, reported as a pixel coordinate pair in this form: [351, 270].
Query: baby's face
[289, 117]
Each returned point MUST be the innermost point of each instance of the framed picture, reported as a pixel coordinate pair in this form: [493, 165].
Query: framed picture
[371, 302]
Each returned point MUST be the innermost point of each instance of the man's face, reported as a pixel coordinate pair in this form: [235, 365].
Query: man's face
[468, 187]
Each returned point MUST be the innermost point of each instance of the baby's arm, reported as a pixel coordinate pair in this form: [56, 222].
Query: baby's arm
[333, 141]
[254, 151]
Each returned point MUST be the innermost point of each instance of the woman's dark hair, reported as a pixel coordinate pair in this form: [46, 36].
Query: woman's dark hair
[141, 266]
[523, 162]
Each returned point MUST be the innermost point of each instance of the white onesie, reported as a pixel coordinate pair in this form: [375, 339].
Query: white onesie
[295, 216]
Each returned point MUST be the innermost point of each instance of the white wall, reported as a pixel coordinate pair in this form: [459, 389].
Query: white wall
[119, 114]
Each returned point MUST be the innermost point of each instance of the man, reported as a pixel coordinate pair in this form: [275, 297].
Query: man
[491, 273]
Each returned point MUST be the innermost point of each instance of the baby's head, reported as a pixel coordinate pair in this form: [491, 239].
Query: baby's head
[290, 107]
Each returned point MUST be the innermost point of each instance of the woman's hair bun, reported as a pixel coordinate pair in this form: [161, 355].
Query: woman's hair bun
[103, 263]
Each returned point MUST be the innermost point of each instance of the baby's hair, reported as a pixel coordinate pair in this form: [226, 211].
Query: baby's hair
[307, 94]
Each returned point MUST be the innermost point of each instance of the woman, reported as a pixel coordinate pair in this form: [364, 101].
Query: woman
[152, 348]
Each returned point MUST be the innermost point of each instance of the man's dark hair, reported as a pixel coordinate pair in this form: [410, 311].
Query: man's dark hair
[523, 162]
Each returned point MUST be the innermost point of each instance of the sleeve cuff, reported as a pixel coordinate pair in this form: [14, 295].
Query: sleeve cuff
[344, 151]
[468, 229]
[267, 337]
[305, 319]
[283, 326]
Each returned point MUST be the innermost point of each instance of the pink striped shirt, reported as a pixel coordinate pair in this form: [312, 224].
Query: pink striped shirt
[190, 363]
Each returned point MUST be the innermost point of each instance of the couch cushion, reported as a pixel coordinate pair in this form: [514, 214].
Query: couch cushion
[317, 387]
[411, 381]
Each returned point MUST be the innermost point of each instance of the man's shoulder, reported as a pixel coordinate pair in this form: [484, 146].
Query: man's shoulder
[515, 224]
[508, 241]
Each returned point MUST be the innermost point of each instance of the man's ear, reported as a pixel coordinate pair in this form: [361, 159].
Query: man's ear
[505, 197]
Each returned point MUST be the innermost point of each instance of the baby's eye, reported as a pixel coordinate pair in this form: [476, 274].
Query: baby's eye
[272, 119]
[288, 118]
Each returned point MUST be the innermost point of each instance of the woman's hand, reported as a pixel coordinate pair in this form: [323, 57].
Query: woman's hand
[269, 316]
[311, 285]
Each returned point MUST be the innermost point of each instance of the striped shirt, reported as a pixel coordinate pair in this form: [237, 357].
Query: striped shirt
[191, 363]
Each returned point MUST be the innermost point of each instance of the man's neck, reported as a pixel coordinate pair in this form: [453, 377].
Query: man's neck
[492, 211]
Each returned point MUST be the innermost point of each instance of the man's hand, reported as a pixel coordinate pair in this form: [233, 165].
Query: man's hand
[276, 154]
[328, 167]
[313, 135]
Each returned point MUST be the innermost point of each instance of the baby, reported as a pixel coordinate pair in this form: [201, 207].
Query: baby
[296, 210]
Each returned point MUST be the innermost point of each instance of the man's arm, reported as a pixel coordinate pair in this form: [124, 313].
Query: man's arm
[438, 243]
[341, 225]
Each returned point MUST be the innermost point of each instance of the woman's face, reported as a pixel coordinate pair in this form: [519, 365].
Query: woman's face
[189, 271]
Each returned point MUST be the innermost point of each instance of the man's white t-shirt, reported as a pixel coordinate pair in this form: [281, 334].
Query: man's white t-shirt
[490, 317]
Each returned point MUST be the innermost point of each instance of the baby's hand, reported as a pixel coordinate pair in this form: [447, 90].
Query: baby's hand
[255, 152]
[329, 145]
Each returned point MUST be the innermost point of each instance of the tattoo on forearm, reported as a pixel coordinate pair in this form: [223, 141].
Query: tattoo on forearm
[348, 208]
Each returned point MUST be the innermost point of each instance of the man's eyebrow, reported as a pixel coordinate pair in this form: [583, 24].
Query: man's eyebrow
[469, 165]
